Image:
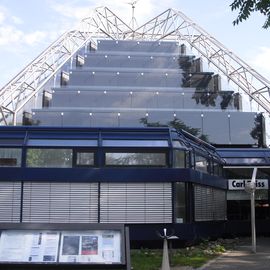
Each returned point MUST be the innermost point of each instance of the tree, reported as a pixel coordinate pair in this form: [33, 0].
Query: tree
[246, 7]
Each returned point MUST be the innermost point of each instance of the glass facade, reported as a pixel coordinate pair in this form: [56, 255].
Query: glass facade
[84, 158]
[148, 83]
[49, 158]
[180, 202]
[201, 163]
[10, 157]
[135, 159]
[179, 158]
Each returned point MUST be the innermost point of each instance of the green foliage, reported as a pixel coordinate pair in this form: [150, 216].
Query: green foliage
[145, 259]
[195, 256]
[247, 7]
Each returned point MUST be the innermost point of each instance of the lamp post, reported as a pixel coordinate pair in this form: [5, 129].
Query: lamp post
[251, 187]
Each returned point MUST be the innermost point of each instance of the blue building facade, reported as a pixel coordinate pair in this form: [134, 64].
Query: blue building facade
[140, 176]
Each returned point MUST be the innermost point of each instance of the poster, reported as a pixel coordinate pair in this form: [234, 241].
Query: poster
[32, 246]
[29, 246]
[91, 247]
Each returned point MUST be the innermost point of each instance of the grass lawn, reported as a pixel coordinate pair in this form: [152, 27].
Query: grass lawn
[195, 256]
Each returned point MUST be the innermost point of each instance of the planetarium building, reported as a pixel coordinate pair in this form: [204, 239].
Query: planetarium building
[127, 126]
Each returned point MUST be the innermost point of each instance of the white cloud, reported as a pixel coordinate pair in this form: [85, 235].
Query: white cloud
[261, 61]
[16, 20]
[9, 35]
[7, 18]
[34, 37]
[2, 17]
[144, 9]
[70, 11]
[12, 36]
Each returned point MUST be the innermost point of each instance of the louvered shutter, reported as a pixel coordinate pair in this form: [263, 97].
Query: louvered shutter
[135, 203]
[10, 201]
[210, 203]
[60, 202]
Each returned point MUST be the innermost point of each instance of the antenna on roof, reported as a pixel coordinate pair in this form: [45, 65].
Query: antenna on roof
[133, 22]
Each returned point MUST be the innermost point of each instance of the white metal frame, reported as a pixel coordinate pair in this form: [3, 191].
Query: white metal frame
[169, 25]
[19, 91]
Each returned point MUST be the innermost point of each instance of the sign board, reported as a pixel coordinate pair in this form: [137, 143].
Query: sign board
[29, 246]
[76, 246]
[240, 184]
[90, 247]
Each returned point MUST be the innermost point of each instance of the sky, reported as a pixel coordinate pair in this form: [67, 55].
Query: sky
[28, 27]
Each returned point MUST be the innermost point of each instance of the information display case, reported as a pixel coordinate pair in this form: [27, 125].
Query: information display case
[102, 246]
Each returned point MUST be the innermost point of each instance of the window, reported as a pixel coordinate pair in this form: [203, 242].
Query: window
[62, 142]
[245, 160]
[178, 159]
[135, 159]
[136, 143]
[201, 163]
[10, 157]
[178, 144]
[209, 203]
[180, 202]
[49, 158]
[85, 159]
[217, 168]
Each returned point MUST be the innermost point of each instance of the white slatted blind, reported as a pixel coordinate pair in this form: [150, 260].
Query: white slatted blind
[210, 203]
[220, 204]
[135, 203]
[60, 202]
[10, 201]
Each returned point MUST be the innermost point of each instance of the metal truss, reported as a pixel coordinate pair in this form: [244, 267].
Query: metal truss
[23, 87]
[103, 23]
[174, 25]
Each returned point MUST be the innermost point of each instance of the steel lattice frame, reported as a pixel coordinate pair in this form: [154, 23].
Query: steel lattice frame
[169, 25]
[19, 91]
[173, 24]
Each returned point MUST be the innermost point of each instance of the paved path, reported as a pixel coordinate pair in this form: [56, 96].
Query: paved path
[242, 258]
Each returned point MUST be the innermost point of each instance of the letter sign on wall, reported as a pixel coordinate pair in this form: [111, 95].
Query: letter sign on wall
[239, 184]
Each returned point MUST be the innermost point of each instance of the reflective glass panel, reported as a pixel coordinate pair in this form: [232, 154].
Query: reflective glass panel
[178, 100]
[132, 119]
[138, 46]
[105, 119]
[216, 127]
[119, 78]
[49, 158]
[189, 121]
[102, 98]
[85, 159]
[10, 157]
[108, 59]
[178, 144]
[244, 128]
[245, 161]
[180, 202]
[260, 194]
[136, 159]
[217, 169]
[139, 143]
[39, 142]
[201, 163]
[45, 118]
[179, 159]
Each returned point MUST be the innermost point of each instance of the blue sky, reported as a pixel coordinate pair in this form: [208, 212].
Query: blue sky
[28, 27]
